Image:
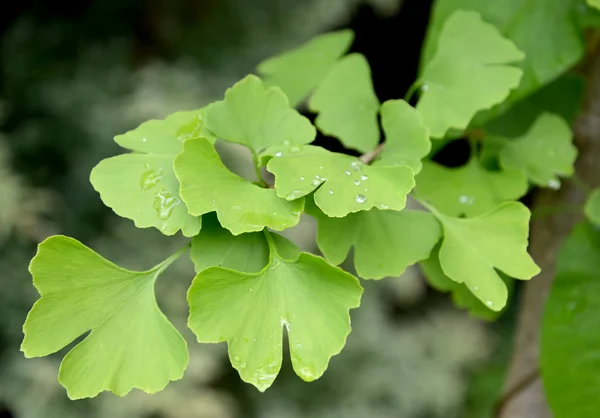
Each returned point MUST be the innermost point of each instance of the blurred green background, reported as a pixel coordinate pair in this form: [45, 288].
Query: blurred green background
[72, 75]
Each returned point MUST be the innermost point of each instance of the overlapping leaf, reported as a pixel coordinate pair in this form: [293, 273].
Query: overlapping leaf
[344, 183]
[131, 344]
[208, 186]
[142, 185]
[545, 152]
[257, 116]
[217, 247]
[545, 30]
[468, 190]
[473, 249]
[570, 349]
[306, 295]
[462, 297]
[592, 207]
[469, 72]
[299, 71]
[385, 242]
[406, 136]
[347, 104]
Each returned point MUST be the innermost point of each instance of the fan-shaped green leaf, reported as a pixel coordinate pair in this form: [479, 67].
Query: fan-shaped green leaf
[347, 104]
[208, 186]
[306, 295]
[385, 242]
[570, 348]
[472, 250]
[462, 297]
[544, 152]
[131, 344]
[592, 207]
[347, 185]
[406, 136]
[468, 73]
[142, 185]
[257, 116]
[468, 190]
[217, 247]
[298, 71]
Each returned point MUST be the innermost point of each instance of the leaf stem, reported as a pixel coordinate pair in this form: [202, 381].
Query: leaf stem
[162, 266]
[259, 176]
[411, 90]
[368, 157]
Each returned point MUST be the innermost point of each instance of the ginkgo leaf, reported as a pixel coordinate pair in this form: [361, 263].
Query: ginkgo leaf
[257, 116]
[249, 253]
[131, 343]
[142, 185]
[306, 295]
[344, 183]
[545, 152]
[546, 31]
[406, 136]
[469, 72]
[208, 186]
[592, 207]
[385, 242]
[474, 248]
[594, 3]
[468, 190]
[570, 342]
[347, 104]
[462, 297]
[298, 71]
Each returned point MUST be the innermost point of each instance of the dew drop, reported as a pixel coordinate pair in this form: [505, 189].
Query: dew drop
[164, 203]
[316, 182]
[287, 142]
[489, 303]
[301, 178]
[144, 139]
[364, 177]
[295, 148]
[466, 200]
[424, 87]
[554, 184]
[355, 165]
[278, 154]
[150, 178]
[331, 192]
[360, 198]
[237, 207]
[475, 288]
[317, 176]
[383, 207]
[347, 173]
[250, 289]
[356, 182]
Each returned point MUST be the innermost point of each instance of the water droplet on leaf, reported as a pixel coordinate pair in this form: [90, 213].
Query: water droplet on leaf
[360, 198]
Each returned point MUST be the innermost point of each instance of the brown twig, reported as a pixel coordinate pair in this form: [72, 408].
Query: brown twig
[368, 157]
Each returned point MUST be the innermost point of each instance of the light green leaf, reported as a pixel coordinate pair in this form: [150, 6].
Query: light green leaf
[347, 104]
[406, 136]
[306, 295]
[462, 297]
[298, 71]
[344, 183]
[385, 242]
[594, 3]
[249, 253]
[570, 348]
[468, 73]
[208, 186]
[257, 117]
[131, 344]
[592, 207]
[544, 152]
[472, 250]
[142, 186]
[545, 30]
[468, 190]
